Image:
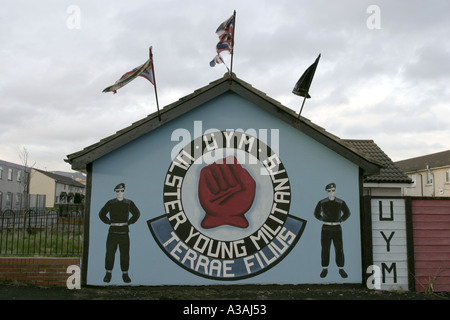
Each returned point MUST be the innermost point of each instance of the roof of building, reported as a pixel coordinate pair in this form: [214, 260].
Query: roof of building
[61, 179]
[79, 160]
[13, 165]
[434, 160]
[389, 173]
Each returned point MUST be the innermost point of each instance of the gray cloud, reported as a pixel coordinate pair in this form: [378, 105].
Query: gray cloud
[387, 84]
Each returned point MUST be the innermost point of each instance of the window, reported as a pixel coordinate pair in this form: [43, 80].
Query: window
[413, 180]
[8, 199]
[429, 178]
[447, 176]
[1, 173]
[10, 174]
[18, 197]
[19, 175]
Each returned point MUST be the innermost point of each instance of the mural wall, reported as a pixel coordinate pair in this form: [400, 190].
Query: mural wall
[226, 193]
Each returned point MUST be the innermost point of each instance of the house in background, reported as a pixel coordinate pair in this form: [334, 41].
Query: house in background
[390, 181]
[12, 188]
[430, 175]
[59, 189]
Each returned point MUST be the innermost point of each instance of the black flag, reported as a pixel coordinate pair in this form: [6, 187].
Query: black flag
[302, 86]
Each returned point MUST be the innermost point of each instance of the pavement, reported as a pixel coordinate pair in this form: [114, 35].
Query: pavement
[17, 291]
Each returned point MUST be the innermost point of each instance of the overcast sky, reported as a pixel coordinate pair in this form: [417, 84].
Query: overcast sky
[384, 73]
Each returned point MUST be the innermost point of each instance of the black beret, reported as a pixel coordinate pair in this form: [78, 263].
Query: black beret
[120, 186]
[330, 186]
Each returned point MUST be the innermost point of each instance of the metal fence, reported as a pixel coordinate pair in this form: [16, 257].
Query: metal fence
[57, 232]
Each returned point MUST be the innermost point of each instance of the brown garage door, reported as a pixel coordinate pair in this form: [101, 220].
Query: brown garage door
[431, 231]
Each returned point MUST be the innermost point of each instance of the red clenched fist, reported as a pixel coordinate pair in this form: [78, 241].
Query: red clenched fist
[226, 192]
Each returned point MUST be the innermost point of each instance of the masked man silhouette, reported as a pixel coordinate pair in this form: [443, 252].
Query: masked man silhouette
[118, 236]
[332, 211]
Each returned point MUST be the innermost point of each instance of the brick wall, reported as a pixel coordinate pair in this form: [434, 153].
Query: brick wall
[36, 270]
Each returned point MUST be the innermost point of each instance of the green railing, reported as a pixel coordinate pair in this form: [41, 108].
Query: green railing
[57, 232]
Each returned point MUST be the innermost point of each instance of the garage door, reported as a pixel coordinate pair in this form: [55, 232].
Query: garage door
[431, 232]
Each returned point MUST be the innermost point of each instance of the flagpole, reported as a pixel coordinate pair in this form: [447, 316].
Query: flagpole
[232, 42]
[224, 64]
[303, 103]
[154, 79]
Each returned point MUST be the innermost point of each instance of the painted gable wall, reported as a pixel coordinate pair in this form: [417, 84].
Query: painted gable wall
[143, 164]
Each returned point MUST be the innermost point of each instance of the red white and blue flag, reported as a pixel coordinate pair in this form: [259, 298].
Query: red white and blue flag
[145, 70]
[225, 34]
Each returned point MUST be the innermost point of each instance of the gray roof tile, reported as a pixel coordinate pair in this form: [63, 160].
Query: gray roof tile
[434, 160]
[389, 173]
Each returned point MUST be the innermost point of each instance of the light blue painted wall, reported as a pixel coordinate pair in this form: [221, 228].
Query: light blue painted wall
[143, 163]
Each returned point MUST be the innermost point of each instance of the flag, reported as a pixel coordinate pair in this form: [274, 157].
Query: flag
[225, 34]
[217, 59]
[302, 86]
[145, 70]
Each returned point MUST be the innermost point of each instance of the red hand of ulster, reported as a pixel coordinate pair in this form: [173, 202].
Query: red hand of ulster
[226, 192]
